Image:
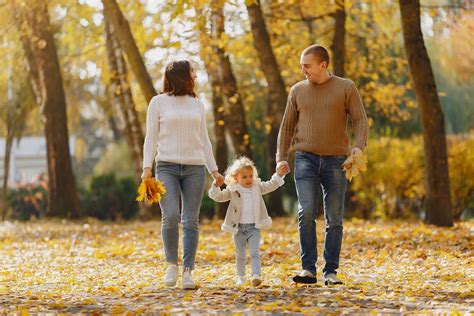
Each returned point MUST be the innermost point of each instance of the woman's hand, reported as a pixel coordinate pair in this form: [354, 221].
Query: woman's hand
[218, 179]
[146, 173]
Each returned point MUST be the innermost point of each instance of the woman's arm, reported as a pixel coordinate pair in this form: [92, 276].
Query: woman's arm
[206, 142]
[151, 136]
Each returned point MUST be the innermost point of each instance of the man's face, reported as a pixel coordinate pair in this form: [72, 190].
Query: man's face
[312, 67]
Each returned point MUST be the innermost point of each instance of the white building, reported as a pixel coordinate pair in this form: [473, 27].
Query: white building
[28, 159]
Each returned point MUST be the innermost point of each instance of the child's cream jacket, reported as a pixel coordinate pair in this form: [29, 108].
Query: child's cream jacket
[231, 193]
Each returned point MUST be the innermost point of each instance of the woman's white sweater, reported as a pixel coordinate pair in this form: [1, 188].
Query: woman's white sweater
[176, 131]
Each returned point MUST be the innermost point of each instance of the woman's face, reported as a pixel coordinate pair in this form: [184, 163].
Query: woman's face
[192, 73]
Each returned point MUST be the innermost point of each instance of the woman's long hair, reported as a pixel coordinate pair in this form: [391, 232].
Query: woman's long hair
[177, 79]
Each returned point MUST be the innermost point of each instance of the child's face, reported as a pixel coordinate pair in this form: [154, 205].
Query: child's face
[245, 177]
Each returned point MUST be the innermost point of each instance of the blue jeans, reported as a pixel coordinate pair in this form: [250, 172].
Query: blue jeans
[313, 173]
[250, 235]
[181, 204]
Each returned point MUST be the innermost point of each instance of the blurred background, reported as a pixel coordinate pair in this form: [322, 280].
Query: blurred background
[77, 77]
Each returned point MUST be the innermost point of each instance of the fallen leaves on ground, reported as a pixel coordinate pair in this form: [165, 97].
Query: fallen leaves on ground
[387, 267]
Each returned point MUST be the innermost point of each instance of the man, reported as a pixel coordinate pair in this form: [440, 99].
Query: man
[314, 125]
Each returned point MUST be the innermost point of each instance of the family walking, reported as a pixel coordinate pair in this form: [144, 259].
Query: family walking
[314, 126]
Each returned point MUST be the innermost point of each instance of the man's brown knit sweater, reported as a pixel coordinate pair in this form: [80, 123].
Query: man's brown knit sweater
[316, 117]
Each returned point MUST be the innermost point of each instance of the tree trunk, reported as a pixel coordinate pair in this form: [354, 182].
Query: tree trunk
[40, 50]
[277, 95]
[6, 171]
[129, 46]
[113, 126]
[235, 116]
[438, 204]
[337, 46]
[308, 22]
[209, 57]
[123, 99]
[128, 120]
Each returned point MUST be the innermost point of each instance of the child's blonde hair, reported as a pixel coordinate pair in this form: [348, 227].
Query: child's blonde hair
[235, 167]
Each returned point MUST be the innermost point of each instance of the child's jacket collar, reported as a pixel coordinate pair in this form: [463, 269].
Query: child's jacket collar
[235, 187]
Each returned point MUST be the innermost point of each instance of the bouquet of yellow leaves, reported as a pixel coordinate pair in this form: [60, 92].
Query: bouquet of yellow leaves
[355, 164]
[150, 190]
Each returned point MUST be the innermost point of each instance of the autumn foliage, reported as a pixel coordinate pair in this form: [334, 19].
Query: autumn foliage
[150, 191]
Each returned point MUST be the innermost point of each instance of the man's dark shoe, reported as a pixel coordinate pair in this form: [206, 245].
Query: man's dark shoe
[305, 277]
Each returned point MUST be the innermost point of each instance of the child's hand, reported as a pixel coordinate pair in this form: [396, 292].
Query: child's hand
[282, 169]
[214, 183]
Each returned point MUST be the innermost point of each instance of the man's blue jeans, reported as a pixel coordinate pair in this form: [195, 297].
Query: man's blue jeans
[313, 173]
[184, 187]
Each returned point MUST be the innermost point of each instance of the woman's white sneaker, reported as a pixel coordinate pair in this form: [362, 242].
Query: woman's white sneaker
[188, 282]
[171, 276]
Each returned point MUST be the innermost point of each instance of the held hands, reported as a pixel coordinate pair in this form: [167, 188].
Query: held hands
[218, 179]
[282, 168]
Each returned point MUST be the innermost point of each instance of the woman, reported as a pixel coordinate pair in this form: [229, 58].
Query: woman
[176, 131]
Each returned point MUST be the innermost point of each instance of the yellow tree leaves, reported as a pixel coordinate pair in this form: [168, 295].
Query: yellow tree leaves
[150, 190]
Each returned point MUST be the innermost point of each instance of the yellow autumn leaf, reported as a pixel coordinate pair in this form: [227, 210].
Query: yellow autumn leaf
[150, 191]
[355, 164]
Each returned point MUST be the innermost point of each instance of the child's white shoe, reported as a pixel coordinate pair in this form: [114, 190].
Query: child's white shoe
[171, 276]
[256, 280]
[240, 280]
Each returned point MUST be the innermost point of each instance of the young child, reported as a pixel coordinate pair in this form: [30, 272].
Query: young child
[246, 213]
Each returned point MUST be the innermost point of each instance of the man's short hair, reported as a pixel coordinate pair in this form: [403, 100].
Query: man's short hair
[318, 51]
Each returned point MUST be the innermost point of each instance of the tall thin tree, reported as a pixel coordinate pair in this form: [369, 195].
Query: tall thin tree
[276, 101]
[235, 119]
[438, 203]
[209, 56]
[129, 46]
[45, 75]
[123, 99]
[338, 46]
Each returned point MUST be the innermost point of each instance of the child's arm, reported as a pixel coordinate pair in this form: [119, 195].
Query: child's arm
[269, 186]
[217, 195]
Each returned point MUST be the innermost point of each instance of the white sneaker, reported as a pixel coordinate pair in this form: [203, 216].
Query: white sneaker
[256, 280]
[240, 280]
[171, 276]
[188, 282]
[331, 279]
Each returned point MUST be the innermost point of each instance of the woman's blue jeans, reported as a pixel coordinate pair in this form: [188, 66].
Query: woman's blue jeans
[181, 204]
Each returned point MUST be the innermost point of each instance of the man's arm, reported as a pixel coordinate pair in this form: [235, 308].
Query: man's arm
[287, 128]
[358, 116]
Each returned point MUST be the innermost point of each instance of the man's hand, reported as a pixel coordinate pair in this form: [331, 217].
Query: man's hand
[356, 151]
[218, 179]
[282, 168]
[146, 173]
